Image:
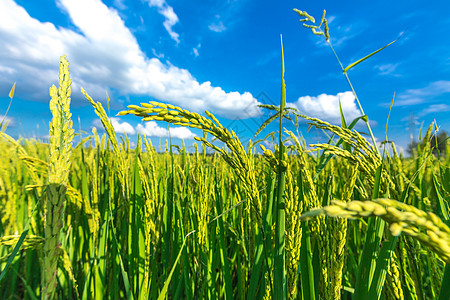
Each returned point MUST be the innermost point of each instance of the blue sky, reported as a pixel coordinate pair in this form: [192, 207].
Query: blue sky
[225, 56]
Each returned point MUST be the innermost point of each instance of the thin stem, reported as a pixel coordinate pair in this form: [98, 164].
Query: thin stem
[366, 119]
[280, 285]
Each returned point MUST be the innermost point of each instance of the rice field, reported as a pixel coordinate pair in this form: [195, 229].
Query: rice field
[88, 217]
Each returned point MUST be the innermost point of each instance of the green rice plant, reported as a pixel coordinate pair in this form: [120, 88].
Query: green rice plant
[325, 32]
[280, 288]
[393, 288]
[60, 142]
[427, 228]
[293, 207]
[238, 159]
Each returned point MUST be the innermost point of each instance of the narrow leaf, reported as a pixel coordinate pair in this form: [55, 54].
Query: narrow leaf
[163, 293]
[371, 54]
[14, 253]
[11, 93]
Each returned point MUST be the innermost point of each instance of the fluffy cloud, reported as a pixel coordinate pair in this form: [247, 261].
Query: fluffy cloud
[169, 14]
[151, 129]
[326, 107]
[103, 55]
[217, 27]
[119, 127]
[9, 120]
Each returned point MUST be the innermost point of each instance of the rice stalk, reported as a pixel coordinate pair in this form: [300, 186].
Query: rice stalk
[325, 32]
[237, 158]
[119, 155]
[293, 233]
[393, 285]
[423, 226]
[60, 143]
[338, 237]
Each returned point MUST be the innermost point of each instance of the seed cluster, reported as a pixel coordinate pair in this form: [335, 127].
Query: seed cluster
[424, 226]
[236, 157]
[60, 142]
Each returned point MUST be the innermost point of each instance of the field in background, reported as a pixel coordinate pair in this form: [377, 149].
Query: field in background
[115, 230]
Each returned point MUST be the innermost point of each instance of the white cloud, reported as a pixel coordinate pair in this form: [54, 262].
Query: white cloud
[158, 55]
[119, 127]
[217, 27]
[195, 50]
[268, 144]
[11, 122]
[104, 56]
[417, 96]
[169, 14]
[119, 4]
[151, 129]
[326, 107]
[157, 3]
[387, 69]
[434, 108]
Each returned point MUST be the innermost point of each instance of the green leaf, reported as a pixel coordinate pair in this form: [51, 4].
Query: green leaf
[444, 293]
[382, 266]
[11, 92]
[345, 146]
[163, 293]
[280, 283]
[370, 252]
[306, 268]
[443, 205]
[445, 177]
[371, 54]
[14, 253]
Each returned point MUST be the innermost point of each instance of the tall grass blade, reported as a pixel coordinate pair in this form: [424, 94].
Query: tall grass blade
[343, 125]
[382, 266]
[223, 251]
[11, 92]
[368, 260]
[444, 293]
[370, 55]
[165, 288]
[257, 277]
[442, 204]
[30, 291]
[126, 281]
[280, 283]
[13, 253]
[306, 267]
